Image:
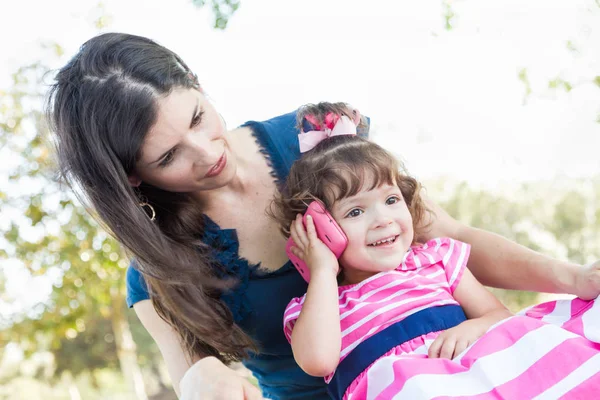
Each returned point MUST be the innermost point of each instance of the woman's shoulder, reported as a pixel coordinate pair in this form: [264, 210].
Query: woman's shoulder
[281, 124]
[278, 140]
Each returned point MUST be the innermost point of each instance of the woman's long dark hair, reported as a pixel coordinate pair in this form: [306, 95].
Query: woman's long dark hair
[102, 105]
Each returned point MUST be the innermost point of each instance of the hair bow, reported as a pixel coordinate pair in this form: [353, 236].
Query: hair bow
[333, 125]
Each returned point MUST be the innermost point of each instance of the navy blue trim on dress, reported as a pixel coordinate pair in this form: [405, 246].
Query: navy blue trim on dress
[420, 323]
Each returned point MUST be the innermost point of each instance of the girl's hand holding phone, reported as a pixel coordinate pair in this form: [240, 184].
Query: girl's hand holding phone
[310, 249]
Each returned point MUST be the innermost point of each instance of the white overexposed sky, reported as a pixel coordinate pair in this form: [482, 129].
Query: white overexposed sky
[449, 102]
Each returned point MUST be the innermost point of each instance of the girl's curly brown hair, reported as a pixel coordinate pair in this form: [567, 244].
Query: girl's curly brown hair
[337, 168]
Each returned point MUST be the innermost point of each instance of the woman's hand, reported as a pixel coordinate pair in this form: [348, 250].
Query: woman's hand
[309, 248]
[210, 379]
[587, 281]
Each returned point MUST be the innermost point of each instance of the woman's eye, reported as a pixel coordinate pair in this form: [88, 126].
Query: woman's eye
[354, 213]
[392, 200]
[168, 158]
[197, 119]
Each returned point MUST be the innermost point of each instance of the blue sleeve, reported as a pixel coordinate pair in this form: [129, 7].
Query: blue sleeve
[137, 290]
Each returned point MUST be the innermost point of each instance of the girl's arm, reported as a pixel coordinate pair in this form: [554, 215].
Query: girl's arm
[197, 379]
[316, 336]
[498, 262]
[482, 310]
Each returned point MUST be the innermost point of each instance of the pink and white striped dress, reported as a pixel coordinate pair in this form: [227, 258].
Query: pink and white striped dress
[551, 351]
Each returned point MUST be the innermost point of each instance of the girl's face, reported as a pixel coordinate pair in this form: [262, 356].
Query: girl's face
[186, 150]
[379, 228]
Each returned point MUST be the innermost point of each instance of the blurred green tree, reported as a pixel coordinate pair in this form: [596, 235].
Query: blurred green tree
[54, 237]
[559, 220]
[222, 10]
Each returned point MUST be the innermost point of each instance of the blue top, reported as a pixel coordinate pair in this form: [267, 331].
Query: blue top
[259, 301]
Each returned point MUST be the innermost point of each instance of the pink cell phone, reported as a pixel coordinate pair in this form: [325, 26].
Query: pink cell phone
[328, 231]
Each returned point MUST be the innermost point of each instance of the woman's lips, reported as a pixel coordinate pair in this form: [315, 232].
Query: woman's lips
[218, 167]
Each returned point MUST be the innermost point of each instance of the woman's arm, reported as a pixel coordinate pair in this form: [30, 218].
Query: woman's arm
[167, 340]
[496, 261]
[198, 379]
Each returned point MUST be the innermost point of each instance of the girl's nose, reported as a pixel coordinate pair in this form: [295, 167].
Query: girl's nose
[382, 220]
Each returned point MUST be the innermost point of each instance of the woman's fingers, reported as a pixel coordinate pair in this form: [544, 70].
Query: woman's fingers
[587, 282]
[251, 392]
[210, 379]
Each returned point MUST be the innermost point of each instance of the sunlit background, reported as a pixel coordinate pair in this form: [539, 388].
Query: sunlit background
[495, 106]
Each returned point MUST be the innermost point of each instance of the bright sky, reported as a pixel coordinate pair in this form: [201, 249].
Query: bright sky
[449, 102]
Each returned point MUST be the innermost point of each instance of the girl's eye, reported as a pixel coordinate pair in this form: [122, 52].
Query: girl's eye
[168, 158]
[197, 119]
[392, 200]
[354, 213]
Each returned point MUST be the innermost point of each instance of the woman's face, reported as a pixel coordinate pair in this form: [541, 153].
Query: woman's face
[186, 150]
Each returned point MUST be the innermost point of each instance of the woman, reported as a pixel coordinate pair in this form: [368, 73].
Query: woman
[186, 197]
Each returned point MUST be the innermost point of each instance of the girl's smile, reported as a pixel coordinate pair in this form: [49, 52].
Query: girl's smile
[385, 243]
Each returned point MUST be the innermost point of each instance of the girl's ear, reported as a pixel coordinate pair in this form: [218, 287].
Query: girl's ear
[134, 180]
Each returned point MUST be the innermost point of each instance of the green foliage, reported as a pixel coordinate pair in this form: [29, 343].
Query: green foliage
[54, 237]
[223, 10]
[559, 83]
[525, 80]
[562, 221]
[448, 14]
[571, 47]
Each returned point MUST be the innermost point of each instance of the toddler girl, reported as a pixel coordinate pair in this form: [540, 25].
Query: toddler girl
[396, 318]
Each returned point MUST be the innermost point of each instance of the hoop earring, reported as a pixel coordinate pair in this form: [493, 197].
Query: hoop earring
[144, 204]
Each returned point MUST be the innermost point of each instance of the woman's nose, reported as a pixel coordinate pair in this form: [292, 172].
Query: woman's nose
[203, 151]
[198, 141]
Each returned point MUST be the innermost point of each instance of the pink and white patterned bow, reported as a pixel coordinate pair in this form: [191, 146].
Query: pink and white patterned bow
[333, 125]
